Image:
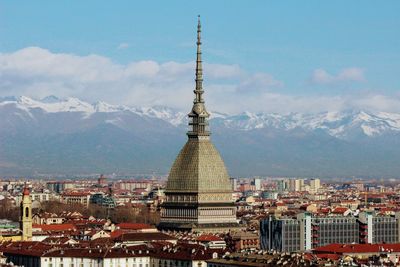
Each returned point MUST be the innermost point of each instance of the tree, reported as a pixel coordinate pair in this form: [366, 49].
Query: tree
[8, 210]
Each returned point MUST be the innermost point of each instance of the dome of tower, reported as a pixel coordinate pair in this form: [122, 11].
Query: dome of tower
[198, 168]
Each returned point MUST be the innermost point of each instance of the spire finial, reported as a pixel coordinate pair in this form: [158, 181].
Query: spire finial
[199, 68]
[198, 117]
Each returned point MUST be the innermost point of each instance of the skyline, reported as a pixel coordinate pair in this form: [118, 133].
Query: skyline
[292, 59]
[283, 119]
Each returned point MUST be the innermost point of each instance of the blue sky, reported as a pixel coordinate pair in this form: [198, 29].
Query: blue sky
[315, 49]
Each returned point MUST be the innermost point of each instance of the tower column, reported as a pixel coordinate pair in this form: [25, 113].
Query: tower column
[198, 174]
[26, 215]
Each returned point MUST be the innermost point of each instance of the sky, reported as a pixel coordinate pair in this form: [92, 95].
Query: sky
[270, 56]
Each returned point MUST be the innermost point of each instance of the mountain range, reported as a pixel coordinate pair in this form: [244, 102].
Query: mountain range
[71, 136]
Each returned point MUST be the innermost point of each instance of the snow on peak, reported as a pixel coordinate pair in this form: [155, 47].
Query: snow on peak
[50, 99]
[50, 104]
[101, 106]
[339, 124]
[164, 113]
[215, 114]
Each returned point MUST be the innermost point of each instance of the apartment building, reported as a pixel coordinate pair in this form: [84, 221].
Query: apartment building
[305, 231]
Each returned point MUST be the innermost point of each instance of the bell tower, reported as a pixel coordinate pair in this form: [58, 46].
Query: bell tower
[26, 215]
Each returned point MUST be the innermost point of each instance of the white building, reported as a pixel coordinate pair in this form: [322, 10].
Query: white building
[257, 183]
[96, 258]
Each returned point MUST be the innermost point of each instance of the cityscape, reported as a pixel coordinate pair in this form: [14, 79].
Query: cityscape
[90, 178]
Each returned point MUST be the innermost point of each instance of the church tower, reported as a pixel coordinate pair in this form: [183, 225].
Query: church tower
[198, 192]
[26, 215]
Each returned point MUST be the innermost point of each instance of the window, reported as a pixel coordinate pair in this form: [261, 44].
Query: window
[26, 212]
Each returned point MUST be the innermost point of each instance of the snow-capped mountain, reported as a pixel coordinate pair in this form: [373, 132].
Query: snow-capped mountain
[52, 104]
[73, 136]
[337, 124]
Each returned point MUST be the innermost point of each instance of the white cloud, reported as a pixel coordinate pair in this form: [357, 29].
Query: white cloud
[320, 76]
[37, 72]
[351, 74]
[142, 69]
[258, 82]
[223, 71]
[378, 102]
[123, 46]
[227, 101]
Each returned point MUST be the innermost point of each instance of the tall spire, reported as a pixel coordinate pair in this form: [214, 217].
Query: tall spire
[199, 68]
[198, 123]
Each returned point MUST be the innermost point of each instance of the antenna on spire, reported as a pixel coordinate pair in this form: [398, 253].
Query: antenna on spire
[199, 68]
[198, 27]
[198, 123]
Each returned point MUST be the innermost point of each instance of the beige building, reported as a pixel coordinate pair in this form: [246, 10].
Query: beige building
[296, 185]
[199, 191]
[315, 184]
[47, 218]
[76, 198]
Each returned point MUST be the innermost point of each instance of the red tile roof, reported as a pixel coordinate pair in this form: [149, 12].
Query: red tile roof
[55, 227]
[117, 233]
[340, 210]
[138, 236]
[32, 248]
[134, 226]
[357, 248]
[205, 237]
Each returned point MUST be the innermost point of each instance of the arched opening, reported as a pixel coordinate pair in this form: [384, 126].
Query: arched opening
[26, 212]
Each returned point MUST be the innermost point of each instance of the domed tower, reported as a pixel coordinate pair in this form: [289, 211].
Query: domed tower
[26, 215]
[198, 192]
